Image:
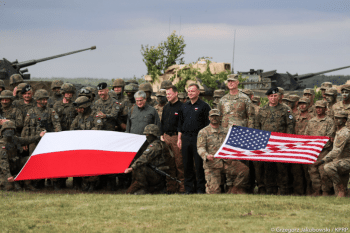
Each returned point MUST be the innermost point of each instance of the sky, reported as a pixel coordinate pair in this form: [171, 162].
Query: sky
[284, 35]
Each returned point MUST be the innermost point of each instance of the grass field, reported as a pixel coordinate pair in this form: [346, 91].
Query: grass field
[98, 212]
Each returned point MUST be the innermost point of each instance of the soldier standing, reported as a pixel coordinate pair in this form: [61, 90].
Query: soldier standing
[292, 102]
[275, 117]
[15, 79]
[56, 93]
[337, 161]
[256, 100]
[118, 90]
[147, 88]
[343, 106]
[321, 125]
[157, 154]
[310, 93]
[9, 112]
[40, 118]
[182, 97]
[209, 141]
[11, 163]
[218, 94]
[323, 88]
[17, 94]
[126, 105]
[331, 99]
[162, 100]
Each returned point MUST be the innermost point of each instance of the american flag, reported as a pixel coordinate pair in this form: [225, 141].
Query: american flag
[243, 143]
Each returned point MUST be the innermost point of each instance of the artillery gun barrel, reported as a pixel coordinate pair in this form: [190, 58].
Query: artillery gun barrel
[305, 76]
[33, 62]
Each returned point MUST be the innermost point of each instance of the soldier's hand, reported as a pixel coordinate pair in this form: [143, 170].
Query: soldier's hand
[162, 138]
[210, 157]
[11, 179]
[179, 143]
[128, 170]
[42, 133]
[318, 163]
[123, 126]
[14, 91]
[25, 147]
[2, 121]
[101, 115]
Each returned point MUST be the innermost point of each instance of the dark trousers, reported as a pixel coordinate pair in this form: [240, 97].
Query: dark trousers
[190, 154]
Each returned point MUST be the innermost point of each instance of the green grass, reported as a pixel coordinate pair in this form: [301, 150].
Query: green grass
[58, 212]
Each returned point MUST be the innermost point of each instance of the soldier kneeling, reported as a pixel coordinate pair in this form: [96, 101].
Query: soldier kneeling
[157, 154]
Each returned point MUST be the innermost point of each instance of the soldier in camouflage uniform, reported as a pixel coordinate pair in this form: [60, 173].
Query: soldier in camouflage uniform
[38, 119]
[117, 91]
[56, 93]
[182, 97]
[126, 105]
[292, 102]
[310, 93]
[10, 162]
[321, 125]
[209, 141]
[300, 173]
[275, 117]
[337, 161]
[256, 100]
[281, 94]
[147, 88]
[344, 105]
[324, 87]
[17, 94]
[285, 99]
[15, 79]
[157, 154]
[235, 107]
[27, 100]
[2, 85]
[162, 100]
[10, 112]
[85, 120]
[218, 94]
[331, 99]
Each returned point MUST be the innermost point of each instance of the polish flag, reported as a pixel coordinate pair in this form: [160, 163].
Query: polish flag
[81, 153]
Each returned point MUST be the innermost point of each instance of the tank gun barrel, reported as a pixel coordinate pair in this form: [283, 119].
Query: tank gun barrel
[305, 76]
[33, 62]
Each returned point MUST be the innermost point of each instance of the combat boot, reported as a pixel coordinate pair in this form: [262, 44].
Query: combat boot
[17, 186]
[262, 190]
[29, 186]
[326, 193]
[316, 193]
[77, 183]
[134, 187]
[92, 186]
[341, 190]
[9, 186]
[56, 185]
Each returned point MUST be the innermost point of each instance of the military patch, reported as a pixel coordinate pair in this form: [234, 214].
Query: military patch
[151, 145]
[117, 107]
[176, 113]
[3, 147]
[147, 150]
[290, 117]
[200, 139]
[288, 110]
[99, 121]
[195, 109]
[56, 117]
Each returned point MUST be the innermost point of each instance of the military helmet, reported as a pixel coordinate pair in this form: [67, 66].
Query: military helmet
[56, 83]
[2, 84]
[152, 129]
[20, 87]
[166, 84]
[133, 81]
[146, 87]
[15, 78]
[161, 92]
[85, 92]
[345, 87]
[82, 102]
[132, 87]
[331, 91]
[6, 94]
[41, 94]
[8, 125]
[92, 89]
[118, 83]
[67, 87]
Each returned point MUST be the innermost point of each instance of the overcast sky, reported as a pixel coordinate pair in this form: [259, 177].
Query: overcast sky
[287, 35]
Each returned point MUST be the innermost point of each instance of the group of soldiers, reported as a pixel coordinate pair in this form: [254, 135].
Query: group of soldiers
[159, 165]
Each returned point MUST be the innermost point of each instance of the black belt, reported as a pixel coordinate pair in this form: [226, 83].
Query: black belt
[171, 133]
[190, 134]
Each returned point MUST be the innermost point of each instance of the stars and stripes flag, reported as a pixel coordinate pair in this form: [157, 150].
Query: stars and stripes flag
[81, 153]
[243, 143]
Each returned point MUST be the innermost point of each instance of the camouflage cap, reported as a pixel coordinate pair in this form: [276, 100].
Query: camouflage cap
[247, 92]
[281, 90]
[214, 112]
[232, 77]
[285, 97]
[118, 83]
[304, 100]
[294, 98]
[181, 95]
[152, 129]
[331, 91]
[219, 93]
[8, 125]
[326, 85]
[41, 94]
[20, 87]
[6, 94]
[256, 99]
[56, 84]
[133, 81]
[67, 88]
[345, 87]
[309, 91]
[15, 78]
[161, 92]
[341, 114]
[146, 87]
[82, 102]
[2, 84]
[166, 84]
[321, 103]
[132, 87]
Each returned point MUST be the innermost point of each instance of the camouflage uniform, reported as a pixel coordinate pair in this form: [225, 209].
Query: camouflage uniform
[10, 112]
[320, 127]
[312, 108]
[276, 119]
[156, 154]
[146, 87]
[218, 94]
[119, 98]
[237, 174]
[331, 92]
[54, 98]
[339, 107]
[23, 106]
[111, 109]
[158, 107]
[66, 112]
[127, 104]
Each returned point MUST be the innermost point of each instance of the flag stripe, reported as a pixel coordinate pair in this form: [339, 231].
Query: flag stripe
[260, 152]
[267, 159]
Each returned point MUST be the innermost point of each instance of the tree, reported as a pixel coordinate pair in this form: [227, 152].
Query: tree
[167, 53]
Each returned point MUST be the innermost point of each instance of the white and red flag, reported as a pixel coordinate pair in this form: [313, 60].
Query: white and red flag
[81, 153]
[243, 143]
